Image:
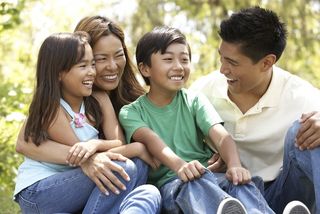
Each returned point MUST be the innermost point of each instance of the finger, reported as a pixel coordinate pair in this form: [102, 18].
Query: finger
[107, 178]
[194, 172]
[100, 186]
[200, 168]
[234, 175]
[303, 135]
[314, 144]
[309, 141]
[214, 158]
[115, 156]
[182, 176]
[69, 156]
[306, 116]
[117, 168]
[84, 159]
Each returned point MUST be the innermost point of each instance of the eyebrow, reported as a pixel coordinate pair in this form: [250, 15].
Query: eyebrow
[229, 59]
[117, 52]
[169, 52]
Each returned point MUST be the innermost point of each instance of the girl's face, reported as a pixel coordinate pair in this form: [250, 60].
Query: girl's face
[110, 62]
[78, 81]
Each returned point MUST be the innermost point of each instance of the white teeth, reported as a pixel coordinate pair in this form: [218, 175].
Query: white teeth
[110, 77]
[176, 78]
[88, 82]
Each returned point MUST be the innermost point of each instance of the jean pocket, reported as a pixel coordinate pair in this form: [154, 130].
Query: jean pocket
[26, 206]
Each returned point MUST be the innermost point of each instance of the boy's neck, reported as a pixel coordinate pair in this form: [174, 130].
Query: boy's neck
[161, 99]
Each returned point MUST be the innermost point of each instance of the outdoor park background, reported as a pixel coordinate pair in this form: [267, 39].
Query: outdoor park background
[24, 24]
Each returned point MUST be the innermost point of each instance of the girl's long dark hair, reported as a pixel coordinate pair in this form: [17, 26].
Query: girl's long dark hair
[58, 53]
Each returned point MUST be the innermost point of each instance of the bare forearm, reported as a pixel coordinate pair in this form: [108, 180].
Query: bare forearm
[105, 145]
[128, 150]
[229, 152]
[48, 151]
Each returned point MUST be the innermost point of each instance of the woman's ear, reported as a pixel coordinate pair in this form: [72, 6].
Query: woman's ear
[144, 69]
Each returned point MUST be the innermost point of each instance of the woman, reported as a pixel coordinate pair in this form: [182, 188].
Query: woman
[115, 76]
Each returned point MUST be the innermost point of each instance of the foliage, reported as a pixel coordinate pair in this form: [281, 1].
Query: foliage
[25, 24]
[201, 22]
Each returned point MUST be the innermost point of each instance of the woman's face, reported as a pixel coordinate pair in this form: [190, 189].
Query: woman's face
[110, 62]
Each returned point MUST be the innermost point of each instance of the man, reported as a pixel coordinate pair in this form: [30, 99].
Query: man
[259, 102]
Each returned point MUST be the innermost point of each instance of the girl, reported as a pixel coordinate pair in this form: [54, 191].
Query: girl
[65, 74]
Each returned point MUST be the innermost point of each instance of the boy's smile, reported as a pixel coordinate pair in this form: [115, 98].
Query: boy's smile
[169, 71]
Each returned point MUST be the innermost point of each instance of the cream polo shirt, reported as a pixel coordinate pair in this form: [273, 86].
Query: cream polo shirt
[260, 132]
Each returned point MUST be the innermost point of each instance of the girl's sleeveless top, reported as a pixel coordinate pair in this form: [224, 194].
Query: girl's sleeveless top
[31, 171]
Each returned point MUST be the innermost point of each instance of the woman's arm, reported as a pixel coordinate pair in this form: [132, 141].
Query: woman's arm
[48, 150]
[110, 124]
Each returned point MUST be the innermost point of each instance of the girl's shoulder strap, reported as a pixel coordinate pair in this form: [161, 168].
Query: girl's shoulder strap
[68, 109]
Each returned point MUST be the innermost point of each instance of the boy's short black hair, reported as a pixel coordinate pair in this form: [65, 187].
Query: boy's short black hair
[258, 31]
[158, 40]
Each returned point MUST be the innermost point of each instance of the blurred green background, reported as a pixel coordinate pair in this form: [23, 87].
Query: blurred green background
[25, 24]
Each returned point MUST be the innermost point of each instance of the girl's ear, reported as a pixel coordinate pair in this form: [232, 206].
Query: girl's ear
[144, 69]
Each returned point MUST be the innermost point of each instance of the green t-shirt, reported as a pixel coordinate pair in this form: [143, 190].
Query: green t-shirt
[182, 125]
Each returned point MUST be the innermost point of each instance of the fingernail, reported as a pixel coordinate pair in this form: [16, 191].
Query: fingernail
[128, 178]
[124, 188]
[106, 193]
[117, 192]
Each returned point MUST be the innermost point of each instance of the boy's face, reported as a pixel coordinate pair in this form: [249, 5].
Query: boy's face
[169, 71]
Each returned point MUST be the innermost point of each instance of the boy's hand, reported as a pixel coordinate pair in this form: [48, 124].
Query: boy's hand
[190, 171]
[80, 152]
[238, 175]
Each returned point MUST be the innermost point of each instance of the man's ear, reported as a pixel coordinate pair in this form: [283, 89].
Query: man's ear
[144, 69]
[268, 61]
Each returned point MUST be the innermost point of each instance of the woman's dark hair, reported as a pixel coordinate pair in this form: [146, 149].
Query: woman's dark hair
[129, 89]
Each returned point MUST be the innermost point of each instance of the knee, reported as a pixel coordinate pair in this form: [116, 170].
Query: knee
[150, 191]
[291, 136]
[129, 167]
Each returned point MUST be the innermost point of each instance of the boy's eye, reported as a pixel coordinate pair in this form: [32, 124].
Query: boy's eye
[120, 55]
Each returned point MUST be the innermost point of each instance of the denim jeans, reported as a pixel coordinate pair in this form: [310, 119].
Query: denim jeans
[299, 178]
[73, 192]
[204, 195]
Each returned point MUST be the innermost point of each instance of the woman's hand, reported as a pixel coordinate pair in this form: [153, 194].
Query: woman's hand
[80, 152]
[100, 169]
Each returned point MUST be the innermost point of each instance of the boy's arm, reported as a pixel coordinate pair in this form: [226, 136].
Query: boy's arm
[155, 145]
[136, 150]
[226, 147]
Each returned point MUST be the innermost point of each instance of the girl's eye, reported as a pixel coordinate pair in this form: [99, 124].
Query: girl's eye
[100, 59]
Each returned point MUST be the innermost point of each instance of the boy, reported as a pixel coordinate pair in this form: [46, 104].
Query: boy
[173, 123]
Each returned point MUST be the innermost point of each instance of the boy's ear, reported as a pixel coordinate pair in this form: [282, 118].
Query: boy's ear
[144, 69]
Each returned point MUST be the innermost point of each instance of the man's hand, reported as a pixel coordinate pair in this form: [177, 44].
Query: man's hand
[216, 164]
[308, 136]
[100, 169]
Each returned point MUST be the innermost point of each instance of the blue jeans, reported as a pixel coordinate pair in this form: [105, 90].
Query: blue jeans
[299, 178]
[72, 192]
[204, 195]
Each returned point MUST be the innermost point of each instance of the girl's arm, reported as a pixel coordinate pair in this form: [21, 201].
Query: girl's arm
[226, 147]
[156, 146]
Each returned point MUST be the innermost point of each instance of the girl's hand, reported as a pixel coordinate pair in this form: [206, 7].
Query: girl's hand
[238, 175]
[191, 171]
[80, 152]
